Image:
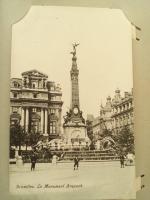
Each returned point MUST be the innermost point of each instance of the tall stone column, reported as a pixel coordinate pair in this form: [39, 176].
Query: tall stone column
[27, 119]
[46, 121]
[42, 119]
[22, 117]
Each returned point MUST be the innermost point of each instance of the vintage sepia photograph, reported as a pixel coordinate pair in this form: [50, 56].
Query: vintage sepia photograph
[72, 104]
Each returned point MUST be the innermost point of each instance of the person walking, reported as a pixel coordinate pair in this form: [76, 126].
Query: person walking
[33, 162]
[76, 163]
[122, 160]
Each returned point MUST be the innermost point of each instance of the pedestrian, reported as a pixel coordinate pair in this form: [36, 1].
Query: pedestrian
[23, 159]
[122, 160]
[76, 163]
[54, 159]
[33, 162]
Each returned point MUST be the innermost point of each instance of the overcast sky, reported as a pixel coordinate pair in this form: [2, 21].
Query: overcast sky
[43, 40]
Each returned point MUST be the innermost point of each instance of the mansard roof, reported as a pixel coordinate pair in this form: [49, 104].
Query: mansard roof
[34, 73]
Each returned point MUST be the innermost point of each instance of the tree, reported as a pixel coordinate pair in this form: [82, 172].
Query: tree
[125, 140]
[33, 138]
[17, 136]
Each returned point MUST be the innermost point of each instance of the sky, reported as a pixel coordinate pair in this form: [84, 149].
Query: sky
[43, 40]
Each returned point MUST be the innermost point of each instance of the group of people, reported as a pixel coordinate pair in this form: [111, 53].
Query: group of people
[33, 158]
[122, 161]
[76, 161]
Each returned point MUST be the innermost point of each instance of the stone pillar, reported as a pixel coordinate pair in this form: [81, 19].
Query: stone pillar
[27, 119]
[46, 121]
[42, 119]
[22, 117]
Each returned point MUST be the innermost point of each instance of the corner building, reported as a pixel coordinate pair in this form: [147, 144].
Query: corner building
[122, 112]
[36, 104]
[117, 113]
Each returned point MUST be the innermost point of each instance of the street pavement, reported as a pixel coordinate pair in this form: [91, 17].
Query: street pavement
[93, 180]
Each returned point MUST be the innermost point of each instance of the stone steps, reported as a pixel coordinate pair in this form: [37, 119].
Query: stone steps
[94, 158]
[90, 155]
[86, 155]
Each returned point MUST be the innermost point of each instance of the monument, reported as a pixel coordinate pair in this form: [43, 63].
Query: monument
[74, 126]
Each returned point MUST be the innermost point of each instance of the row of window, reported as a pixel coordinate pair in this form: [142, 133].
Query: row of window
[15, 95]
[30, 84]
[33, 85]
[122, 108]
[35, 95]
[16, 109]
[124, 121]
[52, 126]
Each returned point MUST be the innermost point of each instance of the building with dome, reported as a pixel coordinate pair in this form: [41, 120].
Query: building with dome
[36, 104]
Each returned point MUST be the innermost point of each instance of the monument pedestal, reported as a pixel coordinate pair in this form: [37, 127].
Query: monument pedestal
[76, 136]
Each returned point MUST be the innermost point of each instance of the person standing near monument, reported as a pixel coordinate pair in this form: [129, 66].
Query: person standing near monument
[76, 163]
[33, 161]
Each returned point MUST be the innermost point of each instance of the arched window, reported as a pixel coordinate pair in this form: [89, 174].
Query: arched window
[16, 85]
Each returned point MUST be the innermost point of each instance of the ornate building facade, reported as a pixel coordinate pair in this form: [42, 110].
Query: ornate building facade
[117, 113]
[96, 128]
[122, 112]
[36, 104]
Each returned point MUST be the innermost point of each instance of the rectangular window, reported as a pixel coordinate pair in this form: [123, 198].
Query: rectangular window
[14, 109]
[34, 95]
[52, 88]
[52, 111]
[15, 95]
[52, 127]
[38, 109]
[53, 98]
[33, 109]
